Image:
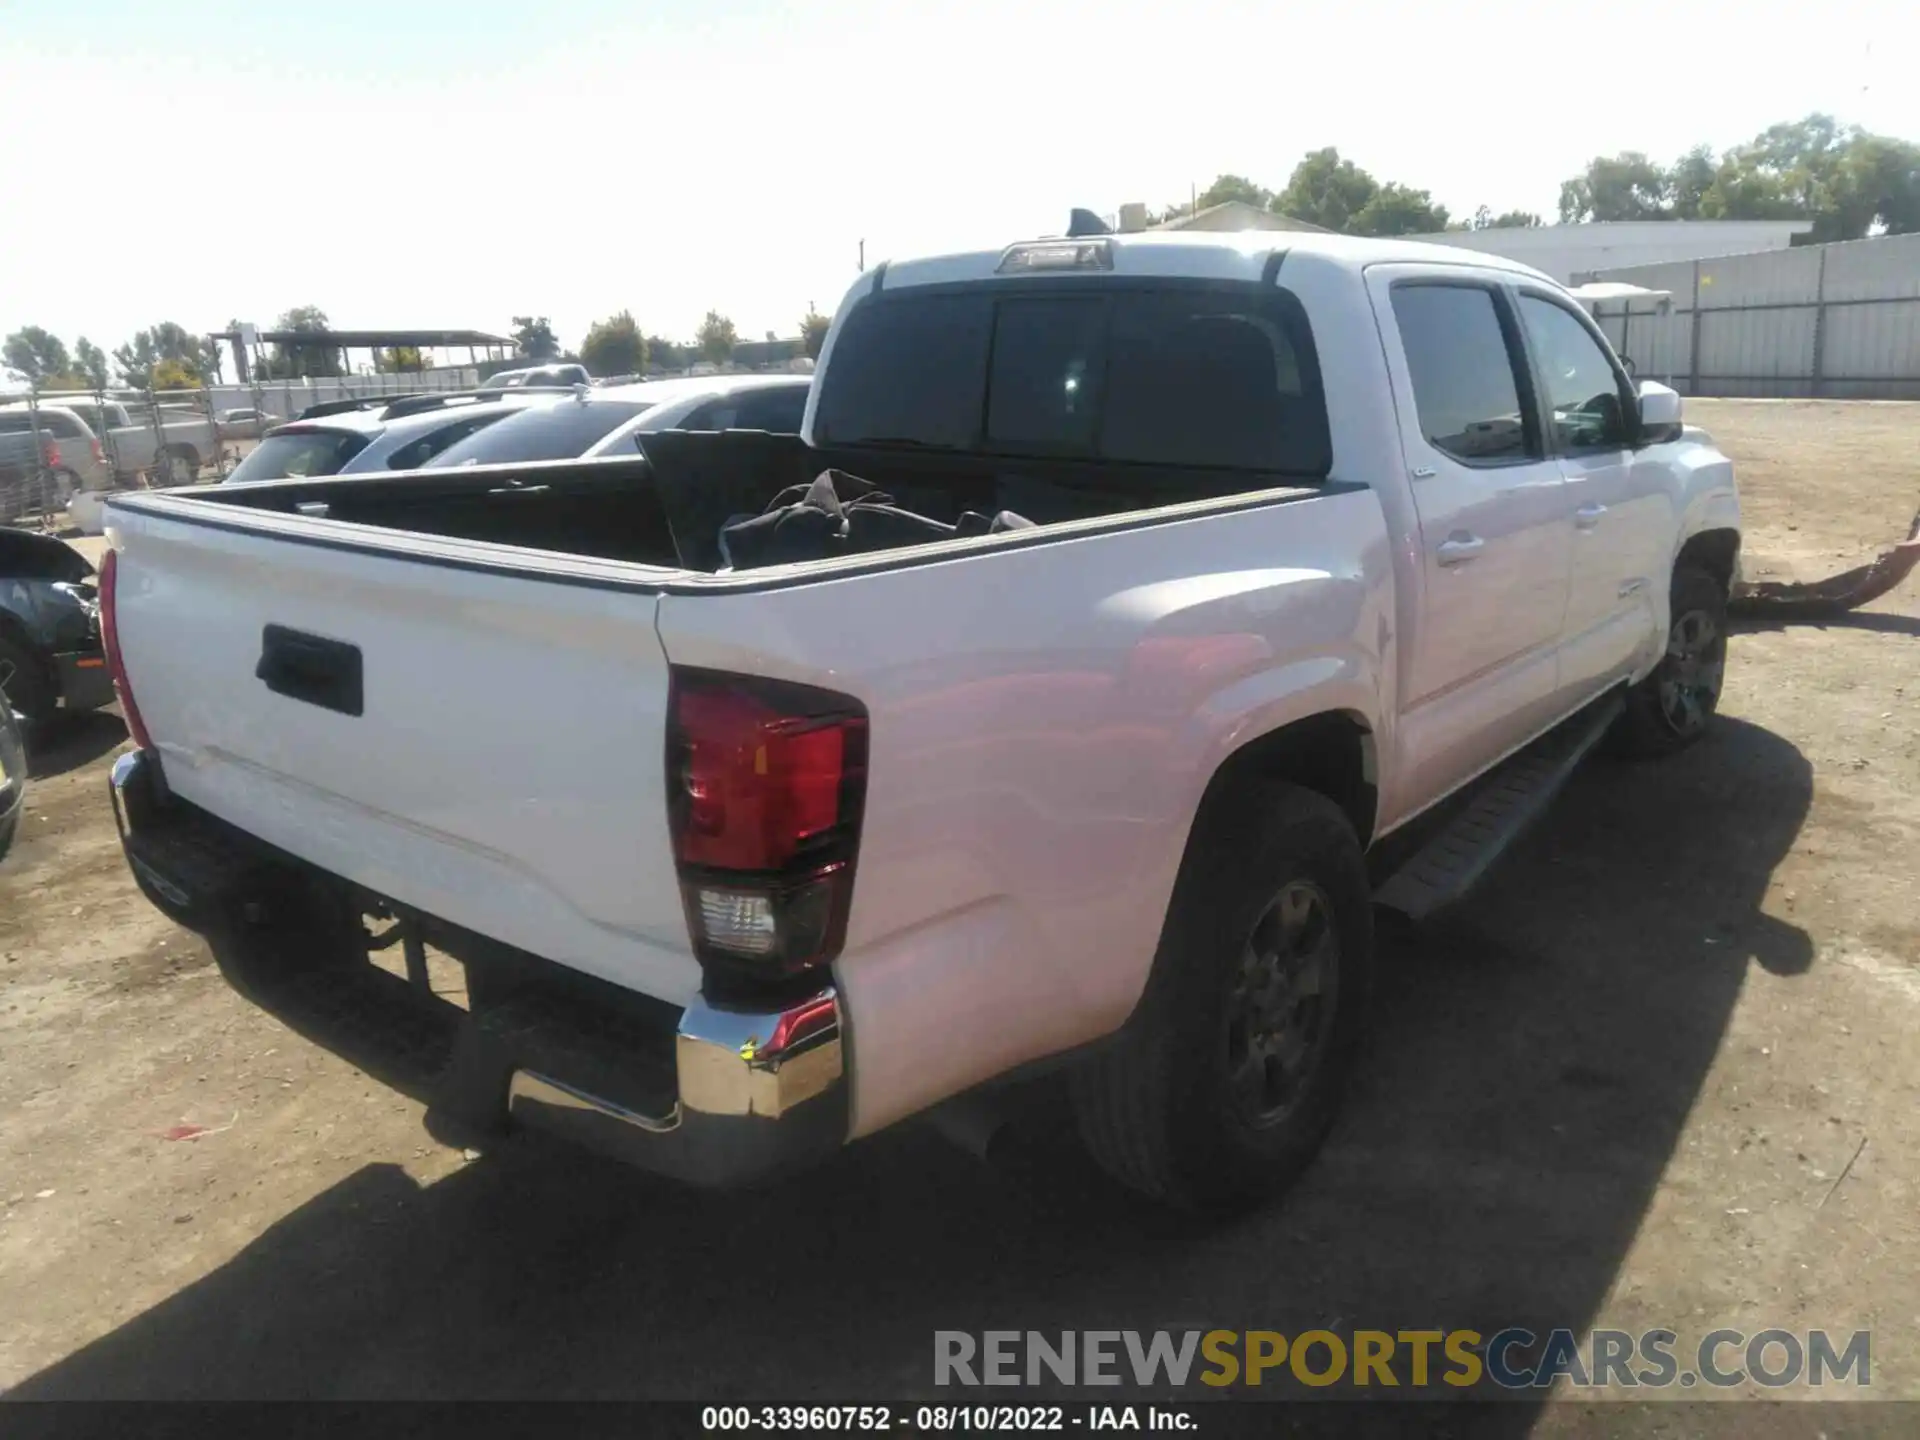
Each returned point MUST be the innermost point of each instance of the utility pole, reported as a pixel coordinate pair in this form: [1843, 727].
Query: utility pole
[863, 257]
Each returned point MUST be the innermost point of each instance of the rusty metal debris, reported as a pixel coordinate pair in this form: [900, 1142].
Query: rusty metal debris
[1837, 594]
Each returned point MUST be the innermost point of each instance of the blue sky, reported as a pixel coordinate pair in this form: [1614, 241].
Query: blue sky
[456, 164]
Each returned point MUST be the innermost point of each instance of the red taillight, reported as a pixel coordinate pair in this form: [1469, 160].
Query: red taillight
[766, 782]
[52, 453]
[110, 642]
[99, 455]
[796, 1026]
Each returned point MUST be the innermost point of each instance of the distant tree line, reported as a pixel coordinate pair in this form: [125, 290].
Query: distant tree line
[1847, 182]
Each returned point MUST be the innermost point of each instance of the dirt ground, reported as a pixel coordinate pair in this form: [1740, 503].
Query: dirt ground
[1660, 1070]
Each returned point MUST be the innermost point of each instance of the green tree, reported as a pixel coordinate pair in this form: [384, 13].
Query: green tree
[716, 338]
[813, 331]
[534, 337]
[174, 375]
[89, 360]
[1886, 174]
[399, 360]
[1235, 187]
[615, 346]
[1397, 209]
[296, 359]
[1326, 190]
[1845, 181]
[1689, 182]
[165, 341]
[1485, 219]
[1627, 186]
[36, 354]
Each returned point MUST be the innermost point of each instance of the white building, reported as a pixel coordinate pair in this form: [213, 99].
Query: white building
[1573, 253]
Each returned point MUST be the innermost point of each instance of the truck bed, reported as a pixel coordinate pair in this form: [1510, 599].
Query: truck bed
[665, 509]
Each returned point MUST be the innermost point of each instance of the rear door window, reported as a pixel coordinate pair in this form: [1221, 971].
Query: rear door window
[1466, 382]
[778, 408]
[561, 431]
[418, 451]
[299, 452]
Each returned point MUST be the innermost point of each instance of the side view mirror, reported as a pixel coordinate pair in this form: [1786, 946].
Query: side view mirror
[1659, 410]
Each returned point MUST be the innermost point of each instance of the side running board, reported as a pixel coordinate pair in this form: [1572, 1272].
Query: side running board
[1506, 801]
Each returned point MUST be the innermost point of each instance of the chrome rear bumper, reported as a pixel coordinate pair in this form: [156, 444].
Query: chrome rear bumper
[756, 1092]
[725, 1096]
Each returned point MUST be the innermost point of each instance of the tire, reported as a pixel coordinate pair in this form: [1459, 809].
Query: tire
[1672, 708]
[24, 683]
[1192, 1104]
[66, 485]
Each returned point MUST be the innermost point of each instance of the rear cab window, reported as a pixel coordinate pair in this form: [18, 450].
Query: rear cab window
[1191, 376]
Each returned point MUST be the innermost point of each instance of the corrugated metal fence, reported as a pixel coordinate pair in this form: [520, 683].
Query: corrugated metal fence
[1836, 321]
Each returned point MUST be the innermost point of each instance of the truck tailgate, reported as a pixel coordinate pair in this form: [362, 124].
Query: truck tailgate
[505, 769]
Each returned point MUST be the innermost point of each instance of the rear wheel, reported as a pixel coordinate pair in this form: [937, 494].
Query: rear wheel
[23, 681]
[1224, 1084]
[1670, 709]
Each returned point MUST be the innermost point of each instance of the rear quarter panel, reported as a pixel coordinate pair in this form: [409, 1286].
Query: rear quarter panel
[1045, 718]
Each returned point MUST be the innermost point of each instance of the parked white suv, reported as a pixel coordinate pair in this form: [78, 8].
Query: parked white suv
[1211, 563]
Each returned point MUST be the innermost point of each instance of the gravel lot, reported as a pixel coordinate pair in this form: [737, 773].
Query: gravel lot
[1621, 1086]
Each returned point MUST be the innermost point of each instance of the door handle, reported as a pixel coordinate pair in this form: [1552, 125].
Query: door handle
[312, 668]
[1458, 548]
[1588, 516]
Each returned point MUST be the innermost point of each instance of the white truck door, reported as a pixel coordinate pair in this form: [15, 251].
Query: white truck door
[1480, 674]
[1620, 514]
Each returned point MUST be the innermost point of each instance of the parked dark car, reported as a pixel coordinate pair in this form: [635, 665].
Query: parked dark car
[50, 654]
[13, 778]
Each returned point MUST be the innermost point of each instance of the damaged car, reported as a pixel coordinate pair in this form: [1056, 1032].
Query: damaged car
[50, 655]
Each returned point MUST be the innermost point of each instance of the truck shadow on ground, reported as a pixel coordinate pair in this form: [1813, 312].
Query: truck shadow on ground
[1534, 1059]
[69, 742]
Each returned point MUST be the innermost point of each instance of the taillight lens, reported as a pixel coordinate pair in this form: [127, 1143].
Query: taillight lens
[99, 455]
[766, 782]
[110, 642]
[53, 454]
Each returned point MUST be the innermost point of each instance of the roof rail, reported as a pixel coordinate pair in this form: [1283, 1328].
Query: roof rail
[436, 399]
[341, 407]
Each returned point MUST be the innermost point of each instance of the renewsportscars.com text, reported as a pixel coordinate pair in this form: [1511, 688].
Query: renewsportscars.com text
[1511, 1359]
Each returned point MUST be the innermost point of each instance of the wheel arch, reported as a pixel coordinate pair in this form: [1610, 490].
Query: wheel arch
[1717, 551]
[1332, 753]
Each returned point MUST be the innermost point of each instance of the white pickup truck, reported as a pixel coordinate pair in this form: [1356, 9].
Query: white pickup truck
[742, 863]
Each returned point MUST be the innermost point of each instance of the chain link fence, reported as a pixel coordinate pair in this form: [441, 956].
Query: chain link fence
[61, 451]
